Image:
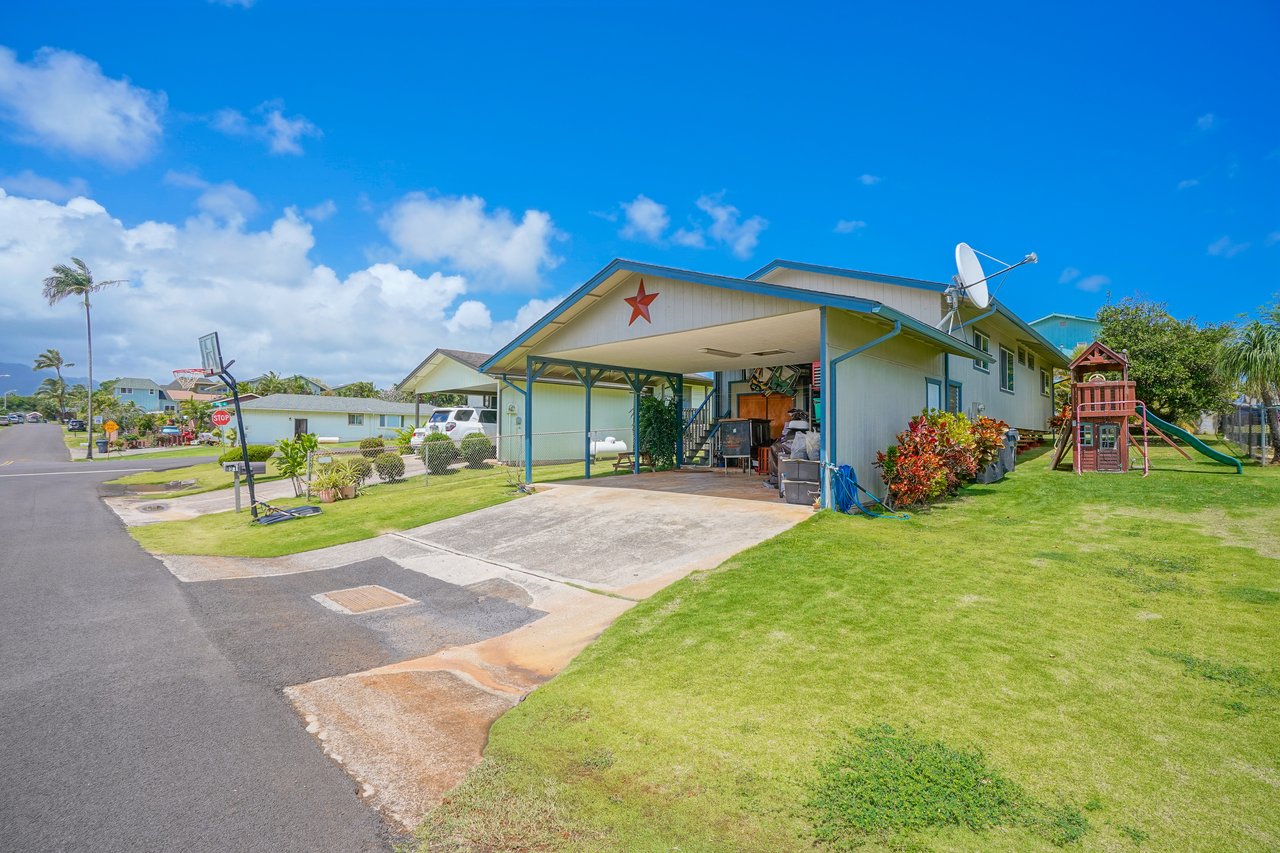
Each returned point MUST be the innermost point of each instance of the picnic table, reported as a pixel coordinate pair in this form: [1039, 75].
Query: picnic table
[626, 461]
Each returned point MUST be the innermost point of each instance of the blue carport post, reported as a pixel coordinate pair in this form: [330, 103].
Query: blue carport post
[679, 390]
[588, 377]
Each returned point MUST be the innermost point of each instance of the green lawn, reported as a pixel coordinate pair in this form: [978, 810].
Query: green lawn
[1088, 662]
[380, 509]
[209, 476]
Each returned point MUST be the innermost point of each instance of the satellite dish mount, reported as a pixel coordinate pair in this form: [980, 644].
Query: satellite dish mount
[970, 284]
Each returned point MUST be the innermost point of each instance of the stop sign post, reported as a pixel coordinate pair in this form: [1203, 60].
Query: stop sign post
[220, 417]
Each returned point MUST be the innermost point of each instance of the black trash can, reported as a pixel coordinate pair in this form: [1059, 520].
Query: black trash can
[102, 444]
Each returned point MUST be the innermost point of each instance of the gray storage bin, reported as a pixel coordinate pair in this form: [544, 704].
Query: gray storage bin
[801, 491]
[800, 469]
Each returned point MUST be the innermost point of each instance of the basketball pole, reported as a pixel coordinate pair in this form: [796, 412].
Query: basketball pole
[226, 377]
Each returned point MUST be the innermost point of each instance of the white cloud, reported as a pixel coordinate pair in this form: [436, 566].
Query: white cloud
[460, 233]
[869, 180]
[62, 100]
[848, 226]
[322, 211]
[282, 134]
[1206, 121]
[691, 237]
[243, 4]
[646, 219]
[224, 201]
[275, 308]
[1223, 247]
[1069, 275]
[740, 236]
[1093, 283]
[1188, 183]
[471, 316]
[29, 184]
[1273, 238]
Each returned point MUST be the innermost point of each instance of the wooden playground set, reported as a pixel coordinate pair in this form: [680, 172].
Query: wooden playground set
[1105, 418]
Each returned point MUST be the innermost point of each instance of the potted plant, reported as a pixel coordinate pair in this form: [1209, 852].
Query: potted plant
[350, 475]
[327, 485]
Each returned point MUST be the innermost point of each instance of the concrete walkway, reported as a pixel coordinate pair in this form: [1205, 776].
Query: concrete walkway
[578, 556]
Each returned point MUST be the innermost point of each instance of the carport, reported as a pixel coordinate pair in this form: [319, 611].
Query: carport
[647, 326]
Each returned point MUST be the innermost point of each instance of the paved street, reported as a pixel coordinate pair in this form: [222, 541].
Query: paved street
[124, 726]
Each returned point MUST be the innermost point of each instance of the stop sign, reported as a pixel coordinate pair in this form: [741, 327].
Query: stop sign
[220, 417]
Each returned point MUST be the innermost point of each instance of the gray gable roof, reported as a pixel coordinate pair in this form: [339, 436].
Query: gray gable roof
[471, 359]
[317, 403]
[135, 382]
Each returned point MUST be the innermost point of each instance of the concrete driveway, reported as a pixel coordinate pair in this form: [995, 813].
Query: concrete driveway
[496, 602]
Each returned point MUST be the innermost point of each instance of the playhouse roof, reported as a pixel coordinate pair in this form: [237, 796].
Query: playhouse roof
[1099, 356]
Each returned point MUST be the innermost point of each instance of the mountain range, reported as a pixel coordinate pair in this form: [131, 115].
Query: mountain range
[23, 380]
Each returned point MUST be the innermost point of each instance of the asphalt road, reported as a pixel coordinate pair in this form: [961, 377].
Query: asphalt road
[122, 724]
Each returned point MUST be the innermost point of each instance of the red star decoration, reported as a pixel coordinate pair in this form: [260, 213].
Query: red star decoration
[640, 304]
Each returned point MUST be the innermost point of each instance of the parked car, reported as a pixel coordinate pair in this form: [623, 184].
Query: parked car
[76, 425]
[15, 419]
[461, 422]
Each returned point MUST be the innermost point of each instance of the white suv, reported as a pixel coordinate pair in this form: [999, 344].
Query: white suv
[458, 424]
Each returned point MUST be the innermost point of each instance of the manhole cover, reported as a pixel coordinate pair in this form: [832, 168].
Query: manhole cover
[362, 599]
[152, 508]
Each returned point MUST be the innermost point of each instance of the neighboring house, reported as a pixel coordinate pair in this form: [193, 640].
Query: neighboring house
[175, 396]
[143, 393]
[562, 409]
[859, 352]
[276, 416]
[1067, 331]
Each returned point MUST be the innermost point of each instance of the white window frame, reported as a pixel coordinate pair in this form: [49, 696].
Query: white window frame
[1007, 374]
[984, 366]
[1046, 383]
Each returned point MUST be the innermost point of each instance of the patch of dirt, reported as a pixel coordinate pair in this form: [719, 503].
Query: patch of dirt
[404, 760]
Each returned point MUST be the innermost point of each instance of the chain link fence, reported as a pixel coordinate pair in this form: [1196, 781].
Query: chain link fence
[1246, 427]
[337, 472]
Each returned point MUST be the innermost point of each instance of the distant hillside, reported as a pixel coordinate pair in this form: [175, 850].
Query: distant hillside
[24, 380]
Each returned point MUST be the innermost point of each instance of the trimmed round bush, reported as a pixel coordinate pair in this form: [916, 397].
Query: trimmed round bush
[363, 468]
[371, 448]
[390, 467]
[477, 449]
[257, 453]
[439, 452]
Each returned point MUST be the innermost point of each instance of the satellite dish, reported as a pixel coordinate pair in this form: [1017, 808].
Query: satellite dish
[972, 280]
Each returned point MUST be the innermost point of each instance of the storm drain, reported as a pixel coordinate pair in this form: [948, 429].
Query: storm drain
[362, 599]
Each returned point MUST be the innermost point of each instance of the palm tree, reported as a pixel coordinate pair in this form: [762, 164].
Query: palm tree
[1252, 357]
[51, 359]
[195, 411]
[52, 392]
[77, 281]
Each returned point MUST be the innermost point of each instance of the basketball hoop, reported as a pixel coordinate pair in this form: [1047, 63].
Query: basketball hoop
[187, 377]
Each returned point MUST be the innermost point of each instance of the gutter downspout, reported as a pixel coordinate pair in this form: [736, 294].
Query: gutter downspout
[832, 384]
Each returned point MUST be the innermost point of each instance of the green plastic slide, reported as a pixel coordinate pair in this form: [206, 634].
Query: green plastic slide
[1195, 443]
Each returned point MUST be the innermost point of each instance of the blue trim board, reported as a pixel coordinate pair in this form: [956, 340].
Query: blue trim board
[935, 383]
[880, 278]
[847, 303]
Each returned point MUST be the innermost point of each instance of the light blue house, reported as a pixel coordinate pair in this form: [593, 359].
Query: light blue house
[144, 393]
[1067, 331]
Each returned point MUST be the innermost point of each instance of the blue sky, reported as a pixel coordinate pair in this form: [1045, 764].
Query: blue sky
[368, 181]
